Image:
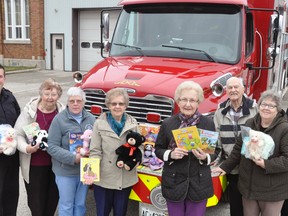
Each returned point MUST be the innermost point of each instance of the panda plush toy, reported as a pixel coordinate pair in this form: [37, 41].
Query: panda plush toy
[41, 137]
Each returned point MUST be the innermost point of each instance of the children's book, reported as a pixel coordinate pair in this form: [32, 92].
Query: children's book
[31, 130]
[76, 143]
[187, 138]
[90, 169]
[149, 131]
[209, 140]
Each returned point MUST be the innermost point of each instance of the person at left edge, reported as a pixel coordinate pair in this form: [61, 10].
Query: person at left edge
[65, 162]
[186, 176]
[36, 166]
[9, 165]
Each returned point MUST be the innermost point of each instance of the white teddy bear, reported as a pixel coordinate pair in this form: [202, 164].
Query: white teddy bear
[8, 144]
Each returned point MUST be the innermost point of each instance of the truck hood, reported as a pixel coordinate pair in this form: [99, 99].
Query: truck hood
[157, 75]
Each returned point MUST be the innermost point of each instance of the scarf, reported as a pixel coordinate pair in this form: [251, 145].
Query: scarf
[185, 122]
[117, 127]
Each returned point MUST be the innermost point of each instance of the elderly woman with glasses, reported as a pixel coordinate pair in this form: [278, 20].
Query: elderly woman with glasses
[109, 132]
[186, 177]
[263, 183]
[64, 130]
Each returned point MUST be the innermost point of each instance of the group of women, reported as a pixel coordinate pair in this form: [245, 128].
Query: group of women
[52, 177]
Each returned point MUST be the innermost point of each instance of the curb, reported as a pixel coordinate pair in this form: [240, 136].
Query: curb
[23, 71]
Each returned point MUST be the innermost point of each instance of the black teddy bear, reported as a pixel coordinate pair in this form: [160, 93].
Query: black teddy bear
[129, 153]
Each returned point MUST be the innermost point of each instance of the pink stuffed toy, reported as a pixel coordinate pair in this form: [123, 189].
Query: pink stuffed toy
[86, 137]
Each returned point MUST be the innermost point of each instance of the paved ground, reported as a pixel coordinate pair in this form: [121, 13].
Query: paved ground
[25, 86]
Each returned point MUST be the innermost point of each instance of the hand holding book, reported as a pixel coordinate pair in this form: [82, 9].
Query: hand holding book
[179, 153]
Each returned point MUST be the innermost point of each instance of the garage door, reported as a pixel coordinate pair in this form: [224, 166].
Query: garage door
[90, 52]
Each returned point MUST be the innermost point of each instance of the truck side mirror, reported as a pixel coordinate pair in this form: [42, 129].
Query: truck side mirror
[105, 23]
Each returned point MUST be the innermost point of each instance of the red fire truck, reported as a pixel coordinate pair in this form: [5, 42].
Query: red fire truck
[157, 44]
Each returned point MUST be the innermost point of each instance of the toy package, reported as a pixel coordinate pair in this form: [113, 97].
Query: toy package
[149, 131]
[7, 139]
[256, 144]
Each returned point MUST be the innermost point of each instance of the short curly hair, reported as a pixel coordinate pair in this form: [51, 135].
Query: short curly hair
[274, 96]
[189, 85]
[50, 84]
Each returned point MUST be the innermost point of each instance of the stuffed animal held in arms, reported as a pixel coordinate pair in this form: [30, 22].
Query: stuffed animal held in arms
[86, 137]
[8, 144]
[41, 138]
[129, 154]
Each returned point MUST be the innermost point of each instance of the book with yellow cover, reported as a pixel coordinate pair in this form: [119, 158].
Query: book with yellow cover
[90, 169]
[187, 138]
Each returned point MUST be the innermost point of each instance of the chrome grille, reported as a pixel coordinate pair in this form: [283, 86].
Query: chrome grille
[138, 107]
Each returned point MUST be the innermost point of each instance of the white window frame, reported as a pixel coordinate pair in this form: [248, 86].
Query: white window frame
[23, 26]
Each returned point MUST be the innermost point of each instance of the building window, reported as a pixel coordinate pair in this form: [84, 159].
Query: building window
[17, 20]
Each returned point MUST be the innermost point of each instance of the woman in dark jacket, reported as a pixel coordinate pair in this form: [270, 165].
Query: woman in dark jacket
[284, 210]
[263, 183]
[186, 177]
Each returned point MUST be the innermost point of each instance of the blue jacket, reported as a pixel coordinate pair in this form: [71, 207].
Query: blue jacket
[63, 161]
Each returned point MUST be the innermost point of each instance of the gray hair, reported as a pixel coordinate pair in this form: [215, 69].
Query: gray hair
[274, 96]
[50, 84]
[114, 93]
[240, 80]
[76, 91]
[189, 85]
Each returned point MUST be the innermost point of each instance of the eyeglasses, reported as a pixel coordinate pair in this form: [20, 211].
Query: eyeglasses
[115, 104]
[50, 95]
[186, 100]
[75, 101]
[269, 106]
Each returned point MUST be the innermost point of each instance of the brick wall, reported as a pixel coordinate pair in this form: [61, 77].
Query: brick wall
[30, 51]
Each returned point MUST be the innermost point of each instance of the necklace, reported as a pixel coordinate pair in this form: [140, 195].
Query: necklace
[44, 119]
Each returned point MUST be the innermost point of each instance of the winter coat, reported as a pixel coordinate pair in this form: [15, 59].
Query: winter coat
[186, 178]
[63, 160]
[27, 116]
[256, 183]
[9, 108]
[103, 144]
[223, 124]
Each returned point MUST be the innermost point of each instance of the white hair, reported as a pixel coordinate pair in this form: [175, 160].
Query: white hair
[76, 91]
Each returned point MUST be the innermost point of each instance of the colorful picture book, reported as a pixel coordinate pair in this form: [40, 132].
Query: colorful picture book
[191, 138]
[209, 140]
[31, 130]
[149, 131]
[187, 138]
[90, 169]
[76, 143]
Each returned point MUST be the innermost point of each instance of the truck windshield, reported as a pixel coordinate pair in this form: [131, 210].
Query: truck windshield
[207, 32]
